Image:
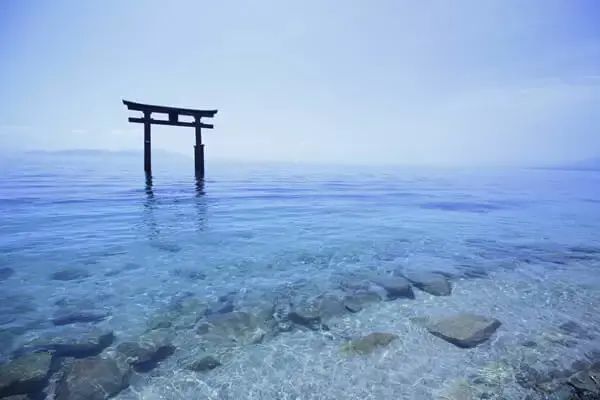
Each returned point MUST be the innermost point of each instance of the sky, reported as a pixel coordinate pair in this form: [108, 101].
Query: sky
[429, 82]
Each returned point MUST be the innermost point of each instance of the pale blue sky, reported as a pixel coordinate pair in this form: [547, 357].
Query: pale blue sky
[420, 82]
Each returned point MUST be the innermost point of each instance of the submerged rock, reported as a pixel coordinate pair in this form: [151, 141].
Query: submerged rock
[220, 335]
[6, 319]
[112, 272]
[307, 316]
[166, 247]
[130, 266]
[190, 273]
[185, 313]
[127, 267]
[151, 348]
[586, 383]
[528, 377]
[204, 363]
[369, 343]
[430, 282]
[354, 284]
[235, 328]
[6, 273]
[395, 286]
[313, 312]
[26, 374]
[72, 341]
[93, 378]
[75, 303]
[280, 313]
[473, 272]
[71, 316]
[70, 274]
[580, 382]
[574, 329]
[585, 250]
[16, 304]
[357, 301]
[464, 330]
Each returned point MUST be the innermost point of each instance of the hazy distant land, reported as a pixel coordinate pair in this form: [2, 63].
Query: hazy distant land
[590, 164]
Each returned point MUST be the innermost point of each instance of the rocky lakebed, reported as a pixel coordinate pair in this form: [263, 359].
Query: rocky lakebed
[511, 333]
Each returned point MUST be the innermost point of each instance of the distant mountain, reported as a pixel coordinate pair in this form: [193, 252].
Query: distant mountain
[591, 164]
[100, 152]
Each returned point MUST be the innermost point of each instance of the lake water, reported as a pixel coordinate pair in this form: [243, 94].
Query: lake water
[520, 246]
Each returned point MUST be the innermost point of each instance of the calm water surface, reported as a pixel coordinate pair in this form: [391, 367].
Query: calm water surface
[251, 230]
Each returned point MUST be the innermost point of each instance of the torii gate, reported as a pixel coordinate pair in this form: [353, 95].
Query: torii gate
[173, 115]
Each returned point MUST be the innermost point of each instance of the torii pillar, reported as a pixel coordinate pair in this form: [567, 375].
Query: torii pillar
[173, 114]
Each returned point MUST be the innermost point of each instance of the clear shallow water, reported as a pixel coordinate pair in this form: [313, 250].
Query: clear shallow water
[253, 230]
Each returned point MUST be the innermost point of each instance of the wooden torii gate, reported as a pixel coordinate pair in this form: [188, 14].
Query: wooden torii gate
[173, 114]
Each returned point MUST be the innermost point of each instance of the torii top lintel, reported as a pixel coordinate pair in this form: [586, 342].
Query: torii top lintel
[173, 112]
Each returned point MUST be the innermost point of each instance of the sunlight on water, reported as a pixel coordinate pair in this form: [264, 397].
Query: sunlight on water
[251, 285]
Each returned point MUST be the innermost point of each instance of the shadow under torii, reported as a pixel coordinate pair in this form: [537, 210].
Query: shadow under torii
[152, 206]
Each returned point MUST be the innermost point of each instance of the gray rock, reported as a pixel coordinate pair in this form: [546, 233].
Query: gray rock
[354, 284]
[580, 365]
[221, 307]
[71, 341]
[357, 301]
[69, 316]
[92, 378]
[282, 307]
[311, 313]
[574, 329]
[9, 337]
[16, 304]
[473, 272]
[127, 267]
[205, 363]
[587, 382]
[395, 286]
[26, 374]
[190, 273]
[148, 351]
[70, 274]
[166, 247]
[131, 266]
[75, 303]
[307, 316]
[528, 377]
[221, 335]
[184, 314]
[369, 343]
[235, 328]
[229, 296]
[430, 282]
[265, 315]
[529, 343]
[580, 385]
[559, 338]
[6, 319]
[464, 330]
[585, 249]
[6, 273]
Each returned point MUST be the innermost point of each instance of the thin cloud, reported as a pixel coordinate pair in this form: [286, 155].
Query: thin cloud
[9, 129]
[121, 132]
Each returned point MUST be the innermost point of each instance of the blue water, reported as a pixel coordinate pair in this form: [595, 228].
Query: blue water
[252, 229]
